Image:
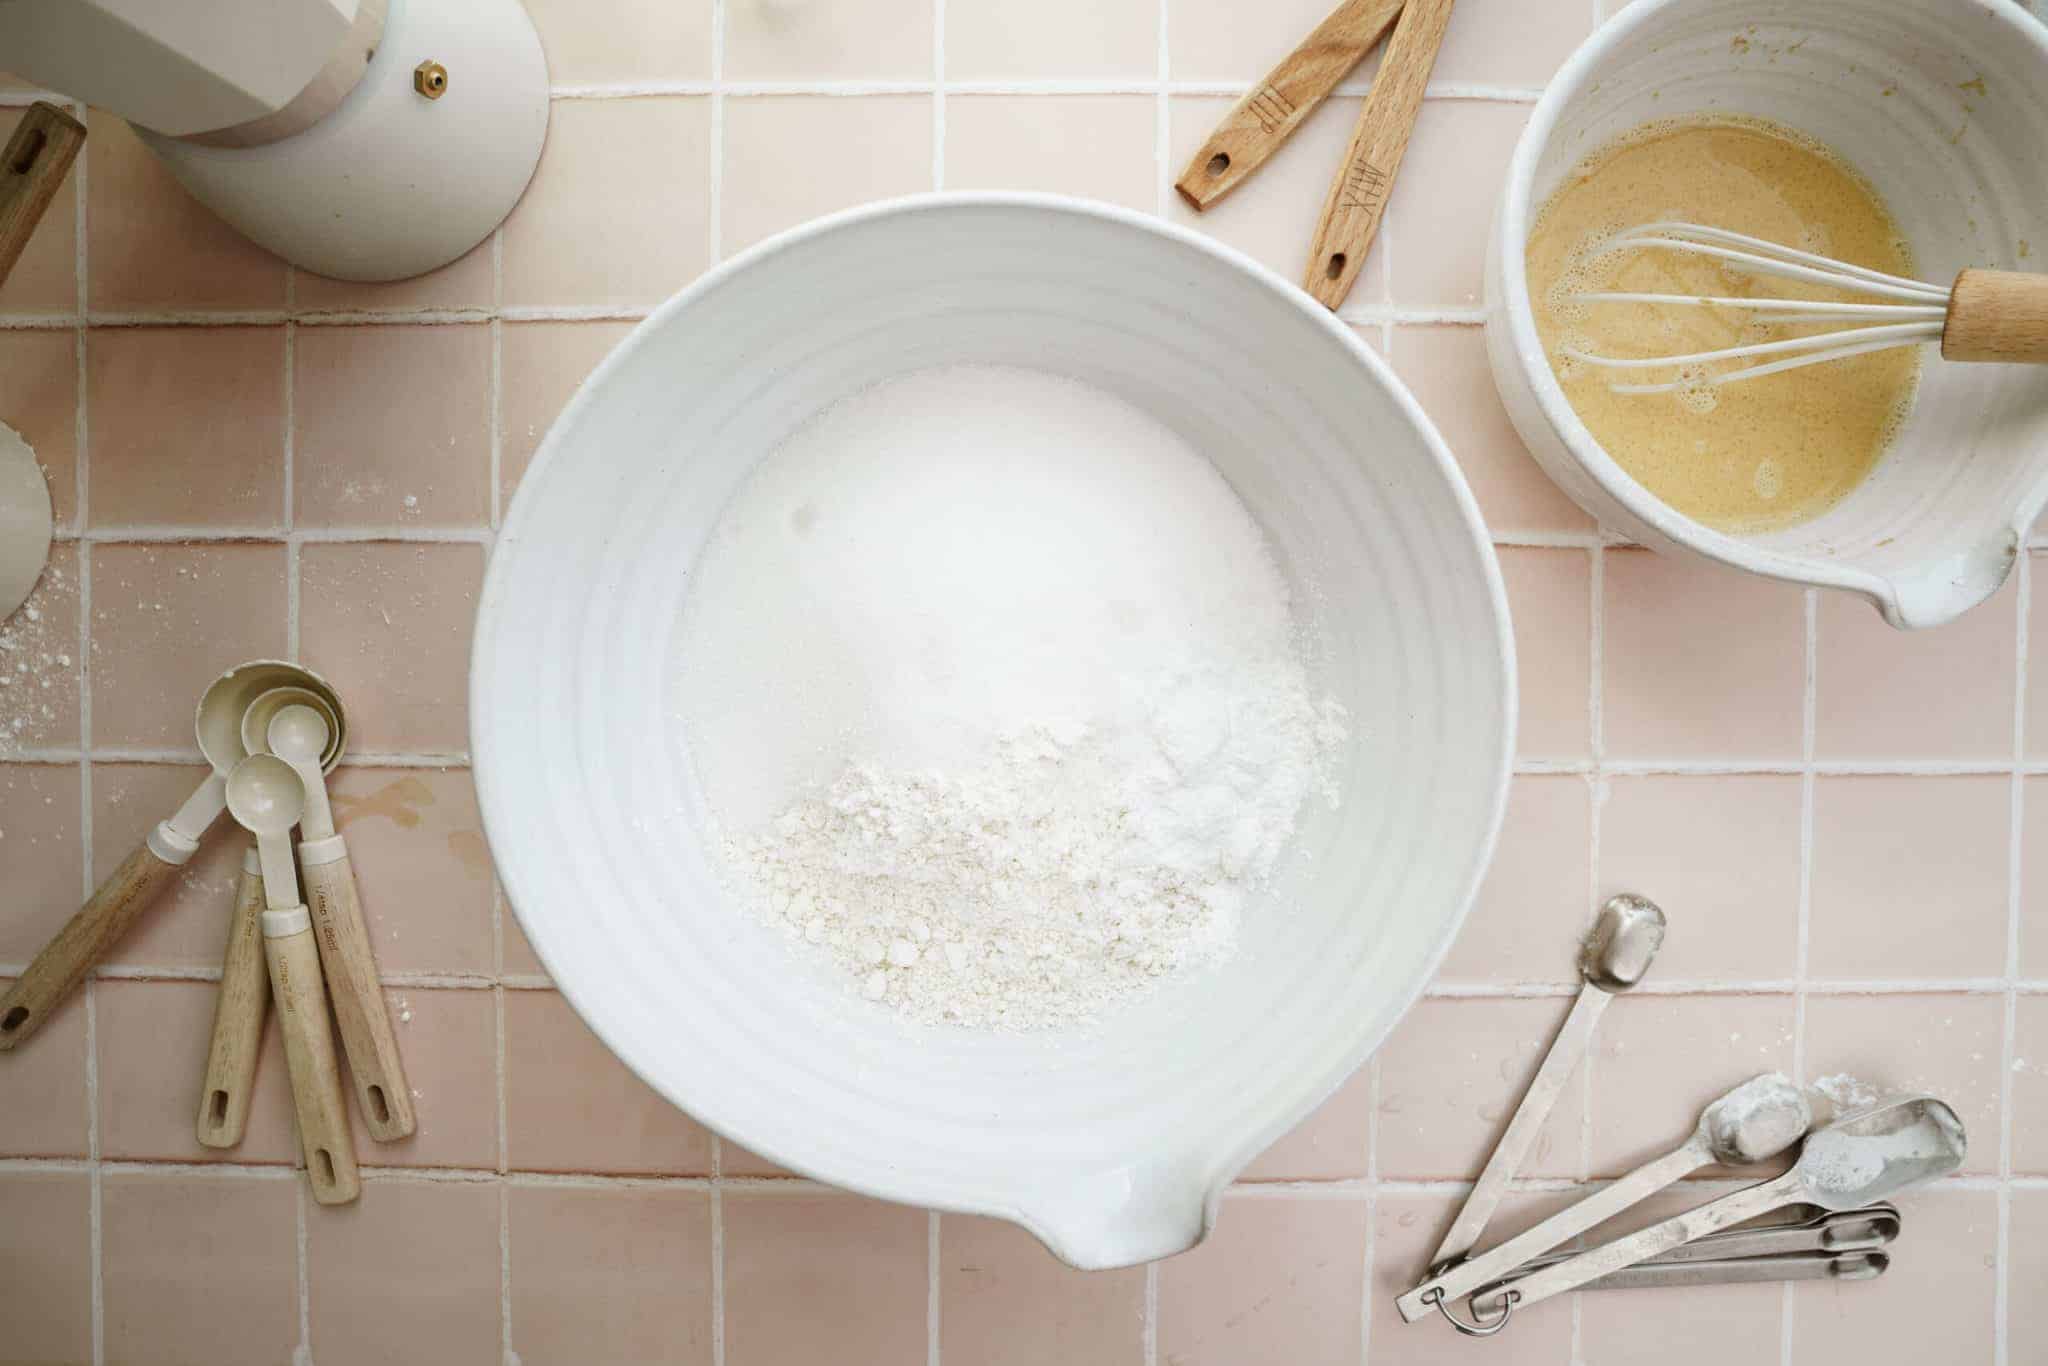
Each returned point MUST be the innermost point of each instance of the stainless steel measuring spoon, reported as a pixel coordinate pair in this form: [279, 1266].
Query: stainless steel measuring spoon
[1613, 959]
[1856, 1230]
[1863, 1265]
[1757, 1120]
[1870, 1155]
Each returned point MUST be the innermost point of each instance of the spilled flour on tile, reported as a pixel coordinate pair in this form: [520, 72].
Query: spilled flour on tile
[996, 696]
[37, 664]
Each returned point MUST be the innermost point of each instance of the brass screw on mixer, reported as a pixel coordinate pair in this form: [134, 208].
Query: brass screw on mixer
[430, 78]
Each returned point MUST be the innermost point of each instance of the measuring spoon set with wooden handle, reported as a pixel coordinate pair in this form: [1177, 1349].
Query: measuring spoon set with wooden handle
[1848, 1164]
[1357, 199]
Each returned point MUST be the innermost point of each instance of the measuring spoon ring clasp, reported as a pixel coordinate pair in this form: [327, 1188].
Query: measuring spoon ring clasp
[1475, 1327]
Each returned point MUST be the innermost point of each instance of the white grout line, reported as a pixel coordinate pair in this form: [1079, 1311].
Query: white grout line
[497, 415]
[1149, 1333]
[2015, 883]
[932, 1306]
[854, 89]
[290, 514]
[938, 100]
[302, 1238]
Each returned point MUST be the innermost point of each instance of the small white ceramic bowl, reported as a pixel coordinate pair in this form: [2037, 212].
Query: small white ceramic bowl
[1943, 104]
[1113, 1145]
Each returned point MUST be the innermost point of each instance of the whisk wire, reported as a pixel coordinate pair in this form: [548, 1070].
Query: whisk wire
[1917, 315]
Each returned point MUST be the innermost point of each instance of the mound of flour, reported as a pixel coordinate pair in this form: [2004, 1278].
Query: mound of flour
[993, 688]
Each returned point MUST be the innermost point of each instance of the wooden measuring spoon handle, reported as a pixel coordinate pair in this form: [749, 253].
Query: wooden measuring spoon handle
[359, 1005]
[1997, 315]
[309, 1055]
[238, 1010]
[1257, 124]
[84, 940]
[44, 145]
[1358, 195]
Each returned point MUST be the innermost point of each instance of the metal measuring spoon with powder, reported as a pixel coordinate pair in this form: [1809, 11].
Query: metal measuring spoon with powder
[141, 877]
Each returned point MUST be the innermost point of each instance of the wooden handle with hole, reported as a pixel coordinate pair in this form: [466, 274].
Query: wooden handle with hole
[44, 145]
[84, 940]
[315, 1070]
[1997, 315]
[1257, 124]
[1358, 195]
[359, 1006]
[238, 1011]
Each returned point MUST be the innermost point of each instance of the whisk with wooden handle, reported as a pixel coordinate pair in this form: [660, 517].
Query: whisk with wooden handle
[1986, 315]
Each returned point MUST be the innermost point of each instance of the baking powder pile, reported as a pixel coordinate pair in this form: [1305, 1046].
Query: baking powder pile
[994, 691]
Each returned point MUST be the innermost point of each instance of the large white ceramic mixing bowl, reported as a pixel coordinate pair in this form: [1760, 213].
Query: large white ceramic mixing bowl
[1943, 105]
[1113, 1145]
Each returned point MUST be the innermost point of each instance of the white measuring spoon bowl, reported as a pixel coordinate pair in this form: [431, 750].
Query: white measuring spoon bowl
[298, 735]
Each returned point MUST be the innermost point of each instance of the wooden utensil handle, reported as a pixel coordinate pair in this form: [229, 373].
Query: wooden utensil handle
[309, 1056]
[1358, 195]
[84, 940]
[44, 145]
[1997, 315]
[238, 1010]
[359, 1005]
[1257, 124]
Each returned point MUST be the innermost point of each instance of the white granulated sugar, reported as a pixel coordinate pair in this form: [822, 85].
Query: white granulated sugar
[994, 692]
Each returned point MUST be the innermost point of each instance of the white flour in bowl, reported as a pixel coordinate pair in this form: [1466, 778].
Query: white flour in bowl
[994, 691]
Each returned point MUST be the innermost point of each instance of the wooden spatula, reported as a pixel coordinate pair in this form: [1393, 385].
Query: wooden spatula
[1257, 124]
[1358, 196]
[44, 145]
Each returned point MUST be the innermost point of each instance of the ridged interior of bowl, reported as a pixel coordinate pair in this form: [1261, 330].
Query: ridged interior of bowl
[1943, 105]
[594, 818]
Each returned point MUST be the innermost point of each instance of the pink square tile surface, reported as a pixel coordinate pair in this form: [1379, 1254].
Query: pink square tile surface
[1095, 146]
[1720, 855]
[1952, 1261]
[623, 40]
[166, 619]
[1941, 1044]
[1005, 1301]
[40, 662]
[422, 869]
[853, 151]
[388, 625]
[152, 246]
[1447, 370]
[151, 1042]
[39, 838]
[1234, 1300]
[859, 1268]
[410, 1272]
[2034, 890]
[420, 456]
[1550, 601]
[1332, 1144]
[449, 1042]
[540, 366]
[1052, 40]
[1223, 40]
[1937, 843]
[187, 426]
[2029, 1069]
[1450, 1077]
[1658, 1060]
[468, 282]
[1875, 685]
[2029, 1246]
[619, 1273]
[47, 1114]
[572, 1106]
[1700, 663]
[1436, 225]
[1534, 905]
[175, 1243]
[879, 40]
[1510, 42]
[46, 1244]
[39, 399]
[575, 241]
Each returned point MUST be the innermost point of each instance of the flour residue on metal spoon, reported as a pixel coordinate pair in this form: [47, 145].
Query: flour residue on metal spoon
[994, 690]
